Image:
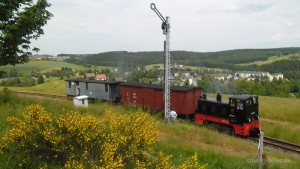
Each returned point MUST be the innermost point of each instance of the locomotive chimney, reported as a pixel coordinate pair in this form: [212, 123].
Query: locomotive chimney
[204, 95]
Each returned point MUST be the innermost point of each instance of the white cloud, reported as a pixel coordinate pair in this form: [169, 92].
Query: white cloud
[92, 26]
[243, 6]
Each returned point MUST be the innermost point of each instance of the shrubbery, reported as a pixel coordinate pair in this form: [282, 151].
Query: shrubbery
[5, 95]
[19, 82]
[79, 140]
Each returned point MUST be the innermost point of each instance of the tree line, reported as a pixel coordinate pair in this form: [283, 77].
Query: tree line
[15, 78]
[222, 59]
[262, 87]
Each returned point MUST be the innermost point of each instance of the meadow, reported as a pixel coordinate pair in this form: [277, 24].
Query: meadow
[52, 85]
[181, 139]
[279, 117]
[272, 59]
[41, 66]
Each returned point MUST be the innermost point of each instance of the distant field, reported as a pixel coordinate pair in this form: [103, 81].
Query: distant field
[272, 59]
[51, 86]
[41, 66]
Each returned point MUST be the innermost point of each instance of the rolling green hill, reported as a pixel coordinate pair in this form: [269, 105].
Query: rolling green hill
[41, 66]
[221, 59]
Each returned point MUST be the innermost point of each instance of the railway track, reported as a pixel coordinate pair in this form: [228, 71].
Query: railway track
[283, 145]
[41, 94]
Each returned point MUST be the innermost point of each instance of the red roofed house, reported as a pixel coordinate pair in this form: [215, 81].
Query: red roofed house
[89, 76]
[100, 77]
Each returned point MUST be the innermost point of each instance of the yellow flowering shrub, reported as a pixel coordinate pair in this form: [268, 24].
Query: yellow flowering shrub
[79, 140]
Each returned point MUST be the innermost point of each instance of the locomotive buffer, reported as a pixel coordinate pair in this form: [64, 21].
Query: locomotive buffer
[166, 31]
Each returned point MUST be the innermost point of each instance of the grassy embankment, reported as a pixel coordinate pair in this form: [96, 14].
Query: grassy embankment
[178, 139]
[279, 116]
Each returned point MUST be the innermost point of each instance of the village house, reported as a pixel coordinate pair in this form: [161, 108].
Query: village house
[90, 76]
[276, 75]
[250, 75]
[223, 76]
[101, 77]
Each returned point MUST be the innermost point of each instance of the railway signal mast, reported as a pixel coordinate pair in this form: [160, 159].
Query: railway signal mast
[166, 31]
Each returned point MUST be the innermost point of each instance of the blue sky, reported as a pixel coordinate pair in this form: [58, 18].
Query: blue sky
[94, 26]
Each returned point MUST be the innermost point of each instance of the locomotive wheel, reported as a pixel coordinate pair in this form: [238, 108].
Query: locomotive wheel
[231, 131]
[205, 123]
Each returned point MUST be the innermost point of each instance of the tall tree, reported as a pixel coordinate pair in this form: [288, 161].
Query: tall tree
[20, 21]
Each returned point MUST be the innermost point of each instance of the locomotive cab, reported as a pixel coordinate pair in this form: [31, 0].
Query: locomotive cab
[243, 109]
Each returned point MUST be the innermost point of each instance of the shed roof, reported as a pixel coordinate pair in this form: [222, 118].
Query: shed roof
[157, 86]
[81, 97]
[100, 76]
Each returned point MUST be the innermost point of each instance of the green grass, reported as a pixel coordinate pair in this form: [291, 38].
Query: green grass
[218, 150]
[281, 109]
[181, 139]
[51, 86]
[41, 66]
[279, 116]
[271, 60]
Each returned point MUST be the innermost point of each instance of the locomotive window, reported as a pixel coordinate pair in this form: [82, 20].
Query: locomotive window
[248, 102]
[232, 102]
[254, 100]
[239, 105]
[69, 84]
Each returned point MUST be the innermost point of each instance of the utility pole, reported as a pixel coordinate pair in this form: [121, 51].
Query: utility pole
[166, 31]
[261, 149]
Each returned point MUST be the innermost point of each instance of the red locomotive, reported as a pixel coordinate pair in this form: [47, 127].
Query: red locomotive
[239, 114]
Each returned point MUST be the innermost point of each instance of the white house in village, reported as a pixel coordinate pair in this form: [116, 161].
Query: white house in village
[276, 75]
[223, 76]
[193, 81]
[250, 75]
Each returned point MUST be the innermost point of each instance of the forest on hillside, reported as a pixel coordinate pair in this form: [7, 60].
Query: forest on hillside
[221, 59]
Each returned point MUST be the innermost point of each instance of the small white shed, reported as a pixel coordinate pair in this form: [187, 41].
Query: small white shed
[81, 101]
